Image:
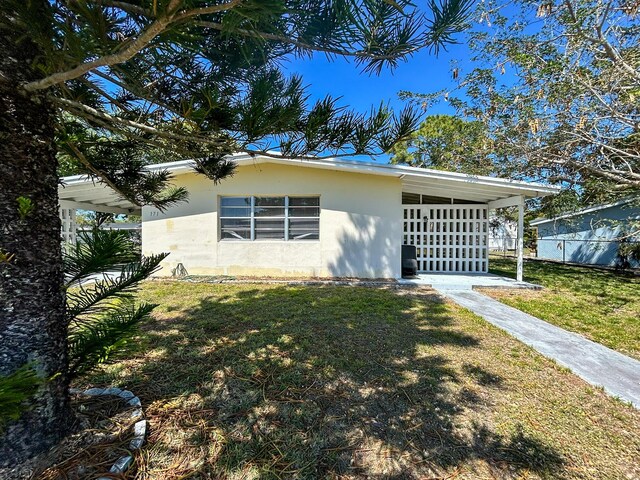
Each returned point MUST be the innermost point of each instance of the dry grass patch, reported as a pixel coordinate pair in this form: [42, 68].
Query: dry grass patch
[268, 381]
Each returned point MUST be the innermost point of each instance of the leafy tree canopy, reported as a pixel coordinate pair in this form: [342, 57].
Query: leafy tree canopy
[556, 86]
[447, 142]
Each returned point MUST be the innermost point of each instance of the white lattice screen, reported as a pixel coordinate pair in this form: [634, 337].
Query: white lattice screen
[68, 230]
[448, 238]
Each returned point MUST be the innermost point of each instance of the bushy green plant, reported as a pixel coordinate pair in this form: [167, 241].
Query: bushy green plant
[628, 253]
[103, 272]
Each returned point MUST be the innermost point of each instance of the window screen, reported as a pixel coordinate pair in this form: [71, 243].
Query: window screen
[270, 218]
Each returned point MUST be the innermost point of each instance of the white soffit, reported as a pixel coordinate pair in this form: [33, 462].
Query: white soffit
[81, 192]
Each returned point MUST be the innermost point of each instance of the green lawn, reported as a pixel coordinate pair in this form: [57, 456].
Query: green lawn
[274, 382]
[601, 305]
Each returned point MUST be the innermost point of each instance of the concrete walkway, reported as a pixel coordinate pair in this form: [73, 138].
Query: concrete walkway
[465, 281]
[595, 363]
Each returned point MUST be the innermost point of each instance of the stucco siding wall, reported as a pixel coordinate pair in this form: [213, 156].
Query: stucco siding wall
[360, 226]
[589, 238]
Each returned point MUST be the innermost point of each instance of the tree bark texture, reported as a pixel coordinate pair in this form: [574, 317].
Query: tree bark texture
[32, 325]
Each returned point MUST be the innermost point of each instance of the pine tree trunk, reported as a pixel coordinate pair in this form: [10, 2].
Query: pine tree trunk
[32, 326]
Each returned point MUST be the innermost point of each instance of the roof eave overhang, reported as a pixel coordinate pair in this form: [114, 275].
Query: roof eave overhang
[416, 180]
[475, 188]
[80, 192]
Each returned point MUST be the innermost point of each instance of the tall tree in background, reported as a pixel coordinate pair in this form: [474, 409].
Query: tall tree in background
[446, 142]
[556, 85]
[101, 82]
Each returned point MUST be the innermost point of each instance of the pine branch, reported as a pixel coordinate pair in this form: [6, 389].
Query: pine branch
[137, 91]
[91, 85]
[132, 47]
[100, 340]
[125, 6]
[104, 178]
[95, 253]
[92, 114]
[207, 10]
[384, 41]
[360, 54]
[89, 300]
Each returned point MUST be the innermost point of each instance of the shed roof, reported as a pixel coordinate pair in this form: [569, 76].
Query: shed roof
[595, 208]
[87, 194]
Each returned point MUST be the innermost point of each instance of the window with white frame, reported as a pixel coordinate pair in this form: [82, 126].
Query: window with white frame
[270, 218]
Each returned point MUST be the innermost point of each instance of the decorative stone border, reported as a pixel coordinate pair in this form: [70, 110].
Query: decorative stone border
[312, 282]
[139, 428]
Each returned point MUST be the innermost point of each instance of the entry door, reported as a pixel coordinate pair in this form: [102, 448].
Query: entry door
[448, 238]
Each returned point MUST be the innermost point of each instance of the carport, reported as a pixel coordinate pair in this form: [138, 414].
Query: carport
[446, 217]
[80, 192]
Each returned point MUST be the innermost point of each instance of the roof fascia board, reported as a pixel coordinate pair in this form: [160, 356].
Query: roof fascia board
[489, 188]
[505, 202]
[98, 207]
[463, 191]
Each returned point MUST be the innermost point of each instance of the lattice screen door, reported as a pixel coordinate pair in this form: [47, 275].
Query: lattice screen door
[448, 238]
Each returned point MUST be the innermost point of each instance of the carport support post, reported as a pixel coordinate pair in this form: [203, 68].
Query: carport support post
[517, 200]
[520, 245]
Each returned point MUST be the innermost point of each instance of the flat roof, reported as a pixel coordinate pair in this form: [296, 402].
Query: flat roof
[91, 195]
[84, 193]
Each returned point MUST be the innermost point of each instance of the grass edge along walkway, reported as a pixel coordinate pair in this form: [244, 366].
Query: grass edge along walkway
[603, 306]
[600, 366]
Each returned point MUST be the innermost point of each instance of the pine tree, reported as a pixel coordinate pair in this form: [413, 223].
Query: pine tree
[105, 84]
[445, 142]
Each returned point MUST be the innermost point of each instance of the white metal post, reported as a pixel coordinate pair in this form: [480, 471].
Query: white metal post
[520, 245]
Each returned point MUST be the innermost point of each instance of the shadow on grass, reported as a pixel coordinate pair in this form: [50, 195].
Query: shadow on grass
[319, 383]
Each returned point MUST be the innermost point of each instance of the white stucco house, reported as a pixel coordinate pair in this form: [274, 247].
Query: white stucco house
[318, 218]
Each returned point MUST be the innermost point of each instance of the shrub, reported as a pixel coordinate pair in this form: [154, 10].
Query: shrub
[102, 314]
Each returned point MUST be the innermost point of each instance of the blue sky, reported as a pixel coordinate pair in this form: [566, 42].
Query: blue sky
[422, 73]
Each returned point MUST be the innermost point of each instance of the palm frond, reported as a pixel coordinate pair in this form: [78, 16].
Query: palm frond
[97, 252]
[86, 300]
[105, 336]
